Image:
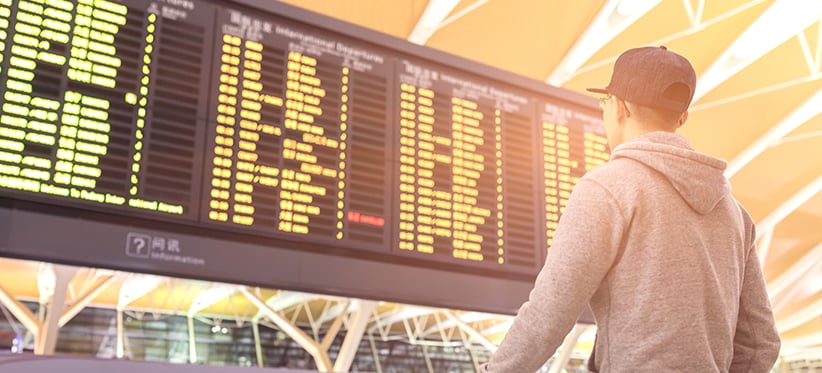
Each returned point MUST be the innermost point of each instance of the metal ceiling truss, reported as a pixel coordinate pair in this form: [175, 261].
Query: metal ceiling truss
[429, 326]
[326, 315]
[797, 347]
[283, 300]
[208, 297]
[436, 16]
[765, 227]
[617, 15]
[383, 323]
[504, 323]
[53, 282]
[785, 287]
[801, 115]
[759, 39]
[812, 311]
[813, 55]
[613, 18]
[358, 318]
[470, 331]
[304, 340]
[87, 294]
[434, 13]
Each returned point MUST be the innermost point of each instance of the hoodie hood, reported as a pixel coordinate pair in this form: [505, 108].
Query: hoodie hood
[697, 177]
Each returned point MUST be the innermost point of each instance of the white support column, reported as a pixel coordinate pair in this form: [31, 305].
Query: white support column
[310, 345]
[558, 365]
[332, 331]
[121, 350]
[21, 312]
[47, 338]
[192, 346]
[258, 348]
[473, 359]
[133, 287]
[356, 327]
[108, 346]
[427, 358]
[375, 352]
[28, 341]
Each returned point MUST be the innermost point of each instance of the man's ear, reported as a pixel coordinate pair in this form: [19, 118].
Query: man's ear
[622, 109]
[682, 119]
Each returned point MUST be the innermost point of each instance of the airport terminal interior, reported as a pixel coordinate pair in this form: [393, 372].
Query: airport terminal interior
[359, 185]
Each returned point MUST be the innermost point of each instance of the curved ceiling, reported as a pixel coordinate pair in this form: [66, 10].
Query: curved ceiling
[758, 105]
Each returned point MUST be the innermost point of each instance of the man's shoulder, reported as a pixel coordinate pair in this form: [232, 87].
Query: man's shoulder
[616, 172]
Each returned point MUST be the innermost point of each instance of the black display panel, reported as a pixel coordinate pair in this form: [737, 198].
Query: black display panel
[467, 170]
[258, 125]
[103, 105]
[298, 135]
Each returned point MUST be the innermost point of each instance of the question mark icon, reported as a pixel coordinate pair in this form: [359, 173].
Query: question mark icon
[137, 245]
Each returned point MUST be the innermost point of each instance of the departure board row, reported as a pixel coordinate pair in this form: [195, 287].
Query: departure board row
[230, 118]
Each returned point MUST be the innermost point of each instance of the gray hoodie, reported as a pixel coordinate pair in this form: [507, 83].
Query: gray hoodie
[665, 256]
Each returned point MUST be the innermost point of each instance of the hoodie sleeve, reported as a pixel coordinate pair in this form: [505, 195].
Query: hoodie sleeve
[756, 342]
[585, 245]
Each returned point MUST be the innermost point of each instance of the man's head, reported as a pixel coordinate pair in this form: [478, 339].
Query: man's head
[653, 88]
[653, 77]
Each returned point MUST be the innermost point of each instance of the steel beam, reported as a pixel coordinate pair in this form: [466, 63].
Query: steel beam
[613, 18]
[258, 348]
[85, 299]
[304, 340]
[47, 338]
[473, 333]
[559, 363]
[433, 15]
[121, 338]
[21, 312]
[356, 327]
[192, 345]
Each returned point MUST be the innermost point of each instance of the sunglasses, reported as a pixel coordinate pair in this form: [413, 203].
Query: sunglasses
[603, 100]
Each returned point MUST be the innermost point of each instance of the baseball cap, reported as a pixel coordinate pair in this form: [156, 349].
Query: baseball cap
[652, 76]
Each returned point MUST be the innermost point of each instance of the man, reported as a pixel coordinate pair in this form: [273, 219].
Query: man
[654, 242]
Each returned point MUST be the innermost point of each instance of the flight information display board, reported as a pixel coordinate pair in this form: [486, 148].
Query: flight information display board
[468, 171]
[297, 144]
[229, 118]
[102, 106]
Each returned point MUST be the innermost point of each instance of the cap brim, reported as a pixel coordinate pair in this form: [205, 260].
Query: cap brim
[598, 90]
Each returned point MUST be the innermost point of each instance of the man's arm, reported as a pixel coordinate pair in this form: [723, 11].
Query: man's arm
[585, 246]
[756, 342]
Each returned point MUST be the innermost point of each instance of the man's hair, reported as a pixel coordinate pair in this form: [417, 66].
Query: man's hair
[653, 117]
